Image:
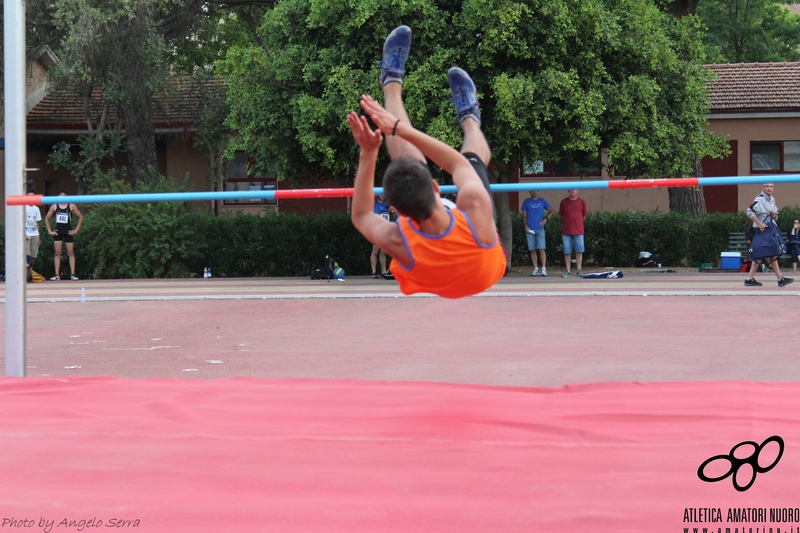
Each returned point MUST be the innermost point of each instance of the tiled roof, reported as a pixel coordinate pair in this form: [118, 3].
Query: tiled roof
[178, 107]
[755, 87]
[739, 87]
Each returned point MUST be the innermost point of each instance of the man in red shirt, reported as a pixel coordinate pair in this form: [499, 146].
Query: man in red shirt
[573, 212]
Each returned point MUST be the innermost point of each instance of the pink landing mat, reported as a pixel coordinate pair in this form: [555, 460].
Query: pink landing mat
[242, 455]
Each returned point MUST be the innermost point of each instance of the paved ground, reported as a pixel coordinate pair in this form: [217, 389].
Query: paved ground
[523, 332]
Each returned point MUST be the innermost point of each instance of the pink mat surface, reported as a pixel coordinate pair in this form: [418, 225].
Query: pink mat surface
[242, 455]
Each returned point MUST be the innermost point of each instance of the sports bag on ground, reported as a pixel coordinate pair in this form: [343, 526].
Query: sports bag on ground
[325, 270]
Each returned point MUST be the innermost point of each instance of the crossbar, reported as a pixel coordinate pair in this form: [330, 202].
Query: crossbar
[347, 192]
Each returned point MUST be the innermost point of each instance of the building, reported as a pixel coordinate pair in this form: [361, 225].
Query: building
[756, 106]
[54, 117]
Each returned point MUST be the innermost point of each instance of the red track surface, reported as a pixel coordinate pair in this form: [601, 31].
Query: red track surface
[260, 328]
[375, 441]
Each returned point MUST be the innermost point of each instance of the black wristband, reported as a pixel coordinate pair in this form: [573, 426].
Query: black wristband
[394, 130]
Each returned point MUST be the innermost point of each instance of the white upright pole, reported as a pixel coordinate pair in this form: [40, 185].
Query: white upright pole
[14, 85]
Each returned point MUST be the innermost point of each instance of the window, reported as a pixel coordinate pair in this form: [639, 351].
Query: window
[562, 167]
[240, 179]
[775, 157]
[791, 156]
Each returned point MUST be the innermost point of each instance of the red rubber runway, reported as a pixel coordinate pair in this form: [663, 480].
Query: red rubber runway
[559, 405]
[542, 332]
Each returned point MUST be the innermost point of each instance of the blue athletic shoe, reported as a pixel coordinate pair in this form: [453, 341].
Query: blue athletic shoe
[465, 96]
[395, 53]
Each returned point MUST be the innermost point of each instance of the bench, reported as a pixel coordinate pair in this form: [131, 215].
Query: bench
[736, 243]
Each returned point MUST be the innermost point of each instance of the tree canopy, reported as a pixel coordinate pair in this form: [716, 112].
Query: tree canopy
[557, 79]
[748, 31]
[117, 54]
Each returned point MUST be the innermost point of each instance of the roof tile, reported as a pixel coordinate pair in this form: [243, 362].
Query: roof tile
[179, 106]
[743, 87]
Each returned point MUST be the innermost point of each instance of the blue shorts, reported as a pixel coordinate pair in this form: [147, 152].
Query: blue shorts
[536, 242]
[572, 243]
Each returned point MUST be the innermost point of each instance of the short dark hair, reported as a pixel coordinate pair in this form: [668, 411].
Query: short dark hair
[407, 187]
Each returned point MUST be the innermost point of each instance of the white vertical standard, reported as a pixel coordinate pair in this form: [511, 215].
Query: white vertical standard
[15, 129]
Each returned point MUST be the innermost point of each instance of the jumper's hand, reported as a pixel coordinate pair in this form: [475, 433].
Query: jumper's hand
[368, 140]
[382, 118]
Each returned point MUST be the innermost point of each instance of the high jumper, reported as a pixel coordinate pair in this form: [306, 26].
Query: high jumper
[448, 252]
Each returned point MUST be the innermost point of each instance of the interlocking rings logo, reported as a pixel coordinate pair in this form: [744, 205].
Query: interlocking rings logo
[736, 463]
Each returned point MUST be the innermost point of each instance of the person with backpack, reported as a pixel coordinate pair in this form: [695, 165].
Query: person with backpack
[63, 233]
[761, 212]
[448, 252]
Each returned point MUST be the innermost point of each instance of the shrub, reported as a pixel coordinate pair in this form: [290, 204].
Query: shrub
[139, 240]
[167, 239]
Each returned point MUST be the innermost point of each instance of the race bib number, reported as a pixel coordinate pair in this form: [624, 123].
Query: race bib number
[386, 216]
[62, 218]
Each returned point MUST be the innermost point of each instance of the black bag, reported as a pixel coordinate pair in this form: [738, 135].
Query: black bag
[325, 270]
[767, 243]
[653, 261]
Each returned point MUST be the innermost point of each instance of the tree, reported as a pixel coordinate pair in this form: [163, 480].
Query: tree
[747, 31]
[113, 49]
[120, 52]
[557, 79]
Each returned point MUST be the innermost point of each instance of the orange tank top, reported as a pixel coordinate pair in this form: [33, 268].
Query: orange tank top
[453, 264]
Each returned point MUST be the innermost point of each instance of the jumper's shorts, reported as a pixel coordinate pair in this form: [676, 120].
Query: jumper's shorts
[480, 170]
[67, 238]
[572, 243]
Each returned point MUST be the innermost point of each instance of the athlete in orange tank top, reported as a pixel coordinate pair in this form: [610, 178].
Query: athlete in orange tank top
[449, 253]
[436, 258]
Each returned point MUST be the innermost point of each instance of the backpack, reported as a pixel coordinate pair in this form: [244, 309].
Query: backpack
[325, 270]
[648, 261]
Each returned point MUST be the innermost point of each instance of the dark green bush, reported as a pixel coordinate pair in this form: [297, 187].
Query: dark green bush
[139, 240]
[169, 240]
[241, 245]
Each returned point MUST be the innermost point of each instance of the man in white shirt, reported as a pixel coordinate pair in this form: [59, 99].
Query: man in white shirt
[32, 218]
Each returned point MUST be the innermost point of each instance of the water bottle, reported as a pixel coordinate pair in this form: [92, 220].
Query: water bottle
[205, 272]
[209, 272]
[83, 295]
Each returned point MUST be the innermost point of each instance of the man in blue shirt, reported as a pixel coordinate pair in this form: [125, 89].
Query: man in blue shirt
[381, 208]
[533, 217]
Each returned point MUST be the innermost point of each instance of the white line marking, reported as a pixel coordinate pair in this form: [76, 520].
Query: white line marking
[493, 294]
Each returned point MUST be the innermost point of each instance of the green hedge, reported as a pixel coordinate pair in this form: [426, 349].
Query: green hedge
[170, 240]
